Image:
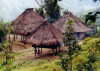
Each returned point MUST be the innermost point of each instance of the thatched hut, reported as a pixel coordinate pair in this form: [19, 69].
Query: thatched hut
[79, 27]
[37, 31]
[45, 36]
[27, 22]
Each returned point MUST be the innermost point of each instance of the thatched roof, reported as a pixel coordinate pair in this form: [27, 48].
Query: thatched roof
[45, 36]
[27, 22]
[77, 25]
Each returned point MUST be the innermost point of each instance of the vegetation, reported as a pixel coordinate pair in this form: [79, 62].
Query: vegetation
[92, 46]
[40, 12]
[90, 20]
[78, 57]
[95, 0]
[81, 62]
[6, 56]
[50, 10]
[72, 48]
[3, 30]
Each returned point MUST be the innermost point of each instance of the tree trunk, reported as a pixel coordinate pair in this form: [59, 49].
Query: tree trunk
[70, 63]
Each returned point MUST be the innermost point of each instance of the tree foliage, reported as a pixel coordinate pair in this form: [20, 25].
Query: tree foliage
[95, 0]
[3, 30]
[40, 12]
[49, 10]
[72, 47]
[52, 9]
[90, 20]
[92, 16]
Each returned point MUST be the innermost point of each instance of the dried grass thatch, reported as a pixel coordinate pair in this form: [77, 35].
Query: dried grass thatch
[27, 22]
[77, 25]
[45, 36]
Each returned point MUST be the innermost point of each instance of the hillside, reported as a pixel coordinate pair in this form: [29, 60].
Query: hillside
[25, 60]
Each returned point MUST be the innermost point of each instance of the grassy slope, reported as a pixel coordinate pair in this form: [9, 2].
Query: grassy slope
[25, 61]
[90, 42]
[39, 64]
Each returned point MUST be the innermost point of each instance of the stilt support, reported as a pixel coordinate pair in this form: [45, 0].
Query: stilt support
[59, 49]
[56, 51]
[35, 51]
[53, 52]
[41, 51]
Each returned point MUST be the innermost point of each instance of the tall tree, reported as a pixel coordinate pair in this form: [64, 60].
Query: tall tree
[71, 44]
[40, 12]
[91, 16]
[3, 30]
[49, 9]
[52, 9]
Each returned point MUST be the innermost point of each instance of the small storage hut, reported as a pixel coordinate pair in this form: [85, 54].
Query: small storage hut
[46, 36]
[79, 27]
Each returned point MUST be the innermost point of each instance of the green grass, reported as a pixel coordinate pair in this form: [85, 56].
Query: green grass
[40, 66]
[22, 62]
[25, 61]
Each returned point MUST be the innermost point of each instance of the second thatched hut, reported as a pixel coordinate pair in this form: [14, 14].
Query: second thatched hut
[80, 29]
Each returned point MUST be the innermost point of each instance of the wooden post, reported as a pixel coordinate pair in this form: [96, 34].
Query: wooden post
[56, 50]
[21, 37]
[14, 37]
[11, 46]
[59, 48]
[41, 51]
[53, 51]
[38, 51]
[9, 43]
[35, 51]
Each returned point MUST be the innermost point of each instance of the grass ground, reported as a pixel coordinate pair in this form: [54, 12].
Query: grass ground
[25, 60]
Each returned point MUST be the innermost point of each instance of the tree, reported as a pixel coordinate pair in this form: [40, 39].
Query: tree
[7, 55]
[90, 19]
[91, 16]
[95, 0]
[3, 30]
[72, 47]
[40, 12]
[88, 65]
[50, 10]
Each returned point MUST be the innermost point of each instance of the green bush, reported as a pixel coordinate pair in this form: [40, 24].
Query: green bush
[89, 43]
[3, 30]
